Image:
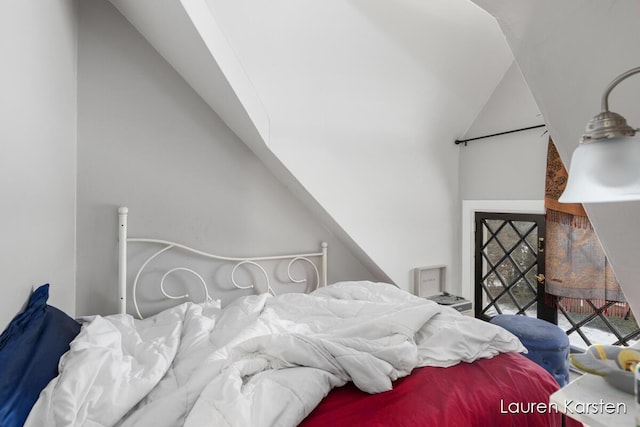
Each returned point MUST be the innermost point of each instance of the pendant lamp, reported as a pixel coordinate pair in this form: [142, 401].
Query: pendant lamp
[606, 165]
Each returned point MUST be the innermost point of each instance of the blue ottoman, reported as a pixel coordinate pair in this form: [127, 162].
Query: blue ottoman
[548, 345]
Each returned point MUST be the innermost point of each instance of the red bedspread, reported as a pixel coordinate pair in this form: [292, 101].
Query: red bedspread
[502, 391]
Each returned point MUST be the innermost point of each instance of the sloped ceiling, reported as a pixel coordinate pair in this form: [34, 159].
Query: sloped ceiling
[568, 52]
[353, 103]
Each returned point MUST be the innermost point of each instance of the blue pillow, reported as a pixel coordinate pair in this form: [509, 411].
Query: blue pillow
[30, 349]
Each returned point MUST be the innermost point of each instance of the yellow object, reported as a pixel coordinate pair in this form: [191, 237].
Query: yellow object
[628, 359]
[601, 351]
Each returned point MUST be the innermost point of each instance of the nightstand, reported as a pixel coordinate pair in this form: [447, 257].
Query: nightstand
[590, 400]
[459, 304]
[429, 283]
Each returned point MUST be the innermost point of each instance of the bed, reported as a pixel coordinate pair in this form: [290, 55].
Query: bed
[345, 354]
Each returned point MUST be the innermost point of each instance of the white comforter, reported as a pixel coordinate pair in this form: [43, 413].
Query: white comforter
[262, 361]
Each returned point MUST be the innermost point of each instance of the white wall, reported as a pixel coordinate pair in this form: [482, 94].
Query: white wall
[364, 103]
[148, 141]
[38, 157]
[504, 173]
[568, 52]
[511, 166]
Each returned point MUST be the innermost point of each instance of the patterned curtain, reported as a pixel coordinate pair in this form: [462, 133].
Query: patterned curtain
[576, 266]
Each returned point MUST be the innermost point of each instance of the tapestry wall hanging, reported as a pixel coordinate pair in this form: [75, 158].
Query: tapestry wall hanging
[576, 266]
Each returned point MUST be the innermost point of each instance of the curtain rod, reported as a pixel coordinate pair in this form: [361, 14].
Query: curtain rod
[464, 141]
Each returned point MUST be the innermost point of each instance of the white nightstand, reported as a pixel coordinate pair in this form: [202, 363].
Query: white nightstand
[460, 304]
[590, 400]
[429, 283]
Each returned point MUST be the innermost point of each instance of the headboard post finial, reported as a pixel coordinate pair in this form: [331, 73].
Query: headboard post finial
[122, 259]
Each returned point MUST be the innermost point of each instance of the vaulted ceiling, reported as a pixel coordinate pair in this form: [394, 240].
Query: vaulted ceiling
[568, 53]
[354, 104]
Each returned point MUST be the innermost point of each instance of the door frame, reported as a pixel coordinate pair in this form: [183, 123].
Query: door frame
[545, 310]
[469, 209]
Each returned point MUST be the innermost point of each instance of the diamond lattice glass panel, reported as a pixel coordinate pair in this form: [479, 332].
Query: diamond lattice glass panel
[531, 278]
[622, 326]
[606, 324]
[508, 250]
[571, 315]
[493, 225]
[532, 239]
[493, 252]
[533, 310]
[523, 256]
[493, 285]
[598, 332]
[508, 271]
[508, 237]
[507, 304]
[524, 227]
[523, 293]
[577, 337]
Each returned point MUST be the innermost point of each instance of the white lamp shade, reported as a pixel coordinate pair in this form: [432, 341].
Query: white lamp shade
[606, 170]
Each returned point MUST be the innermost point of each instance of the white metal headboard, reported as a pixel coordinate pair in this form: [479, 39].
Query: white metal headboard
[123, 239]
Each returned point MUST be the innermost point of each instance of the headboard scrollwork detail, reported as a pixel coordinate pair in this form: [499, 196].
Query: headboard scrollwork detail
[255, 262]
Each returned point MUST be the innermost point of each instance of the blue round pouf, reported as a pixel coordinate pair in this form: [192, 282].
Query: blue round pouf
[547, 344]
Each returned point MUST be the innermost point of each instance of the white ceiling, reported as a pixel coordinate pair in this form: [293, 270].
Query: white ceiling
[430, 61]
[362, 97]
[568, 52]
[355, 102]
[377, 90]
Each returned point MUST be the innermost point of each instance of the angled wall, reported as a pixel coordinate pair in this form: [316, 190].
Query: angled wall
[210, 66]
[569, 52]
[511, 166]
[364, 103]
[149, 142]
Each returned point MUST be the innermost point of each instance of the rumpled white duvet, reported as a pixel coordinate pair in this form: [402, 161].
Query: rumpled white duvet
[261, 361]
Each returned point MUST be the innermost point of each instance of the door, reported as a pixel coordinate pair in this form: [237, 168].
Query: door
[509, 266]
